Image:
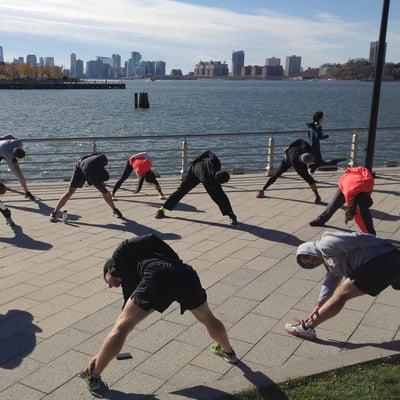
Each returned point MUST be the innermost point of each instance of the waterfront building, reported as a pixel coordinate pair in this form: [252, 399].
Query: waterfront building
[159, 68]
[176, 73]
[211, 69]
[256, 71]
[116, 61]
[19, 60]
[373, 51]
[73, 65]
[273, 61]
[293, 66]
[1, 54]
[49, 62]
[31, 59]
[105, 60]
[79, 69]
[133, 63]
[272, 72]
[246, 71]
[237, 62]
[97, 69]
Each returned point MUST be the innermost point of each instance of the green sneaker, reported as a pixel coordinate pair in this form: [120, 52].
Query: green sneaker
[228, 357]
[94, 383]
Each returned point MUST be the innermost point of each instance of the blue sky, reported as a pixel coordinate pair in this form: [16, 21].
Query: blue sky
[184, 32]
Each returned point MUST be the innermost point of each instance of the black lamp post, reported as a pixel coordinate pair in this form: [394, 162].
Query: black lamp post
[380, 59]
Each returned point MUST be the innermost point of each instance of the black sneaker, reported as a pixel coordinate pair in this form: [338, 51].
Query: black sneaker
[117, 213]
[160, 214]
[10, 222]
[29, 195]
[233, 220]
[95, 384]
[317, 222]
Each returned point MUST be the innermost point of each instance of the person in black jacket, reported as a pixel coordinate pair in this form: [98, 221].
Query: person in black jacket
[205, 169]
[297, 155]
[90, 169]
[3, 209]
[152, 276]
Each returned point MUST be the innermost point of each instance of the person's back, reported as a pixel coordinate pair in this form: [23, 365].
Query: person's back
[92, 166]
[7, 144]
[356, 180]
[296, 149]
[205, 166]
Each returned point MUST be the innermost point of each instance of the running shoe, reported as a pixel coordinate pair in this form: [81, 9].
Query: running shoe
[95, 384]
[317, 200]
[10, 222]
[317, 222]
[53, 216]
[233, 220]
[29, 195]
[228, 357]
[299, 329]
[260, 194]
[160, 214]
[117, 213]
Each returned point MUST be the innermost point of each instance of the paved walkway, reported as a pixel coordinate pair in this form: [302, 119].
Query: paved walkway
[56, 309]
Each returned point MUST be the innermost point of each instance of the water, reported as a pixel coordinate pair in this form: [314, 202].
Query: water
[184, 107]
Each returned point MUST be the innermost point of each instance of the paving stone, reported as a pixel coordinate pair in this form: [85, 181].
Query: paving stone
[241, 277]
[370, 335]
[234, 309]
[99, 320]
[14, 292]
[275, 305]
[220, 292]
[96, 302]
[19, 392]
[52, 306]
[135, 384]
[50, 291]
[261, 263]
[296, 287]
[383, 316]
[73, 389]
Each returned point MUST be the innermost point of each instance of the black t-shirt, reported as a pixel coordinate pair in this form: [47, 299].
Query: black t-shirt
[205, 166]
[92, 167]
[296, 149]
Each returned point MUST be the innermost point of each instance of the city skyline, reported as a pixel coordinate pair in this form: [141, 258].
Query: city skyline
[183, 32]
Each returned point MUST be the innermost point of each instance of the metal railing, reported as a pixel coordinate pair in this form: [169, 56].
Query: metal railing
[54, 157]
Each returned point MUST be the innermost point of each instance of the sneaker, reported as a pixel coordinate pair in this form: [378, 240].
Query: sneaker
[159, 214]
[317, 200]
[117, 213]
[228, 357]
[317, 222]
[10, 222]
[162, 197]
[95, 384]
[300, 330]
[233, 220]
[260, 194]
[53, 216]
[29, 195]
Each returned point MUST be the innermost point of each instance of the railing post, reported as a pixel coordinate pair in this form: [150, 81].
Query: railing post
[269, 168]
[184, 148]
[354, 151]
[94, 147]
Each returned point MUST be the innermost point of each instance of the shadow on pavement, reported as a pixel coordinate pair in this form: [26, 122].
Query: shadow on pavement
[384, 216]
[117, 395]
[393, 345]
[21, 341]
[24, 241]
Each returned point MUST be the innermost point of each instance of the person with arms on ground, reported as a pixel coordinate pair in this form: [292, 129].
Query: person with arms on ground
[152, 276]
[3, 209]
[315, 135]
[367, 263]
[297, 155]
[90, 169]
[355, 187]
[141, 164]
[205, 169]
[10, 150]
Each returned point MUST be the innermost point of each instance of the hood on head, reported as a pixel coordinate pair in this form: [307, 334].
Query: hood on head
[309, 249]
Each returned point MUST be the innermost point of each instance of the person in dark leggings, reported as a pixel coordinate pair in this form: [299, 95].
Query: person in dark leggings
[142, 165]
[315, 135]
[355, 187]
[3, 209]
[297, 155]
[205, 169]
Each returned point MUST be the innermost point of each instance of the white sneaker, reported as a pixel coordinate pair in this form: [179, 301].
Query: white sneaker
[301, 331]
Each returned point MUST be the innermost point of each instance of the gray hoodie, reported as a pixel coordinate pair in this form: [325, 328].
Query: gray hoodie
[343, 253]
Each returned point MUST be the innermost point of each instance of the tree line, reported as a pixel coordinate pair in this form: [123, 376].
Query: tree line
[23, 71]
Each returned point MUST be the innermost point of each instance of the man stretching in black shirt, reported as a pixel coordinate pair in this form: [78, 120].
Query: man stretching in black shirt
[152, 276]
[207, 170]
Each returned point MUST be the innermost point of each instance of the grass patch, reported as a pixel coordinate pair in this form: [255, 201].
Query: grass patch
[375, 380]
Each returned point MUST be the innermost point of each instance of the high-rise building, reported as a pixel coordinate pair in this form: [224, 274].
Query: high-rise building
[373, 51]
[116, 61]
[31, 59]
[159, 68]
[237, 62]
[79, 69]
[73, 66]
[272, 61]
[1, 54]
[19, 60]
[133, 63]
[272, 72]
[293, 66]
[211, 69]
[105, 60]
[41, 61]
[49, 62]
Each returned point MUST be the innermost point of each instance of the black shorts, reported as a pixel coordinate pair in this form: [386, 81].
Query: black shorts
[377, 274]
[161, 287]
[78, 180]
[149, 177]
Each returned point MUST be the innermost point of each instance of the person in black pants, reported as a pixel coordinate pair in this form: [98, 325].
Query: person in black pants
[297, 155]
[205, 169]
[3, 209]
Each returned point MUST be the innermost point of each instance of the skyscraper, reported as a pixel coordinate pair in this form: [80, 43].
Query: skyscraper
[116, 61]
[133, 63]
[272, 62]
[73, 65]
[237, 62]
[1, 54]
[41, 61]
[293, 66]
[79, 69]
[159, 68]
[373, 51]
[49, 62]
[31, 59]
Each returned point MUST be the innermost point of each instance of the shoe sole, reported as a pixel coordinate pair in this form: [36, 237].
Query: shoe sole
[299, 335]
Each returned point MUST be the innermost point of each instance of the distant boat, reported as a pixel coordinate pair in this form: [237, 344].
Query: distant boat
[151, 79]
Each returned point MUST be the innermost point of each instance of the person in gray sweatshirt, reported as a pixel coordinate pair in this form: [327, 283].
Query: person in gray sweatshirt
[356, 264]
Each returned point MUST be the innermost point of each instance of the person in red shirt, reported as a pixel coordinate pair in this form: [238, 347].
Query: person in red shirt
[355, 188]
[142, 165]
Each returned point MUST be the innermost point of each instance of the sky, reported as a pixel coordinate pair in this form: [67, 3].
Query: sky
[184, 32]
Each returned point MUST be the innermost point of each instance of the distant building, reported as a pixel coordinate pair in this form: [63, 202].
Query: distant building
[211, 69]
[373, 51]
[19, 60]
[246, 71]
[73, 66]
[79, 69]
[273, 62]
[31, 59]
[105, 60]
[256, 71]
[325, 69]
[176, 73]
[41, 61]
[159, 68]
[1, 54]
[133, 63]
[97, 69]
[49, 62]
[116, 61]
[237, 62]
[293, 66]
[272, 72]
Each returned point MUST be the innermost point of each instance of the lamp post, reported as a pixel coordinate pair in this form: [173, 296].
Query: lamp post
[380, 59]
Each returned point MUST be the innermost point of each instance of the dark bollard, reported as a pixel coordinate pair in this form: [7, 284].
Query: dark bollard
[136, 100]
[142, 100]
